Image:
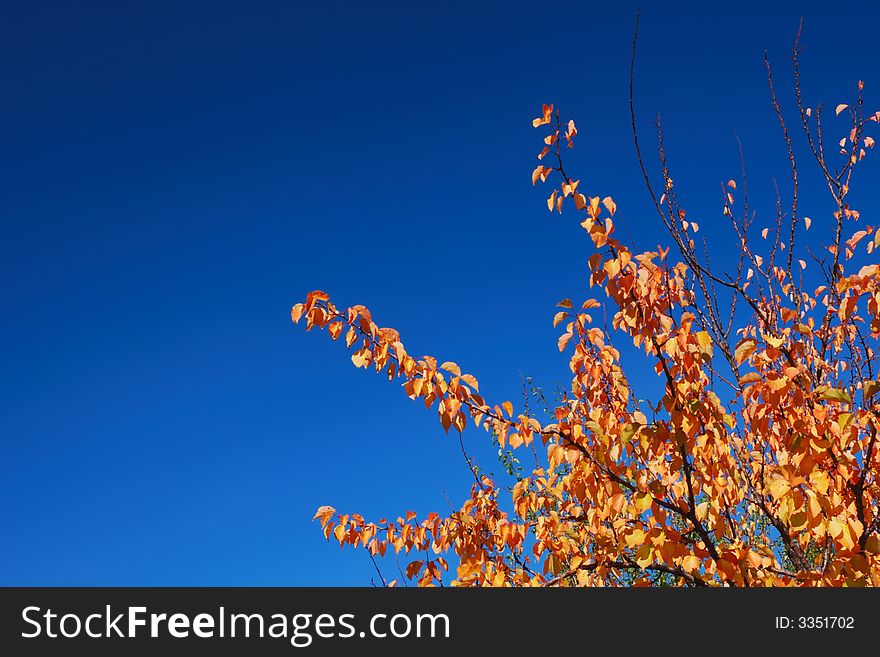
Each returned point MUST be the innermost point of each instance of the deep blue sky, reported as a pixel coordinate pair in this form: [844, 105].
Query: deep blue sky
[176, 175]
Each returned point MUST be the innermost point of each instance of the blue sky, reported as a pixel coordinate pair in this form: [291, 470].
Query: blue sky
[177, 175]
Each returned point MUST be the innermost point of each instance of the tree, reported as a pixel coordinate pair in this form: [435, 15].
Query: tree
[759, 464]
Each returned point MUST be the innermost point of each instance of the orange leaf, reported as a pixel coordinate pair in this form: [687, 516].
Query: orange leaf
[413, 568]
[541, 173]
[546, 112]
[324, 513]
[610, 205]
[563, 340]
[471, 381]
[446, 421]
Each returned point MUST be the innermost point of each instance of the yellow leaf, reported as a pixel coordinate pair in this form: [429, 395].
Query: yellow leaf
[636, 537]
[777, 384]
[565, 303]
[743, 350]
[840, 108]
[628, 431]
[778, 486]
[449, 366]
[705, 341]
[507, 406]
[836, 527]
[643, 556]
[296, 312]
[819, 480]
[642, 501]
[833, 394]
[772, 340]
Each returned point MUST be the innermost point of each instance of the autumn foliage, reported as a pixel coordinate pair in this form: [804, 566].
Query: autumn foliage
[759, 464]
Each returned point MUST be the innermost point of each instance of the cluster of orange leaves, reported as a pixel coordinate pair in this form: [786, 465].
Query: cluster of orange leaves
[775, 484]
